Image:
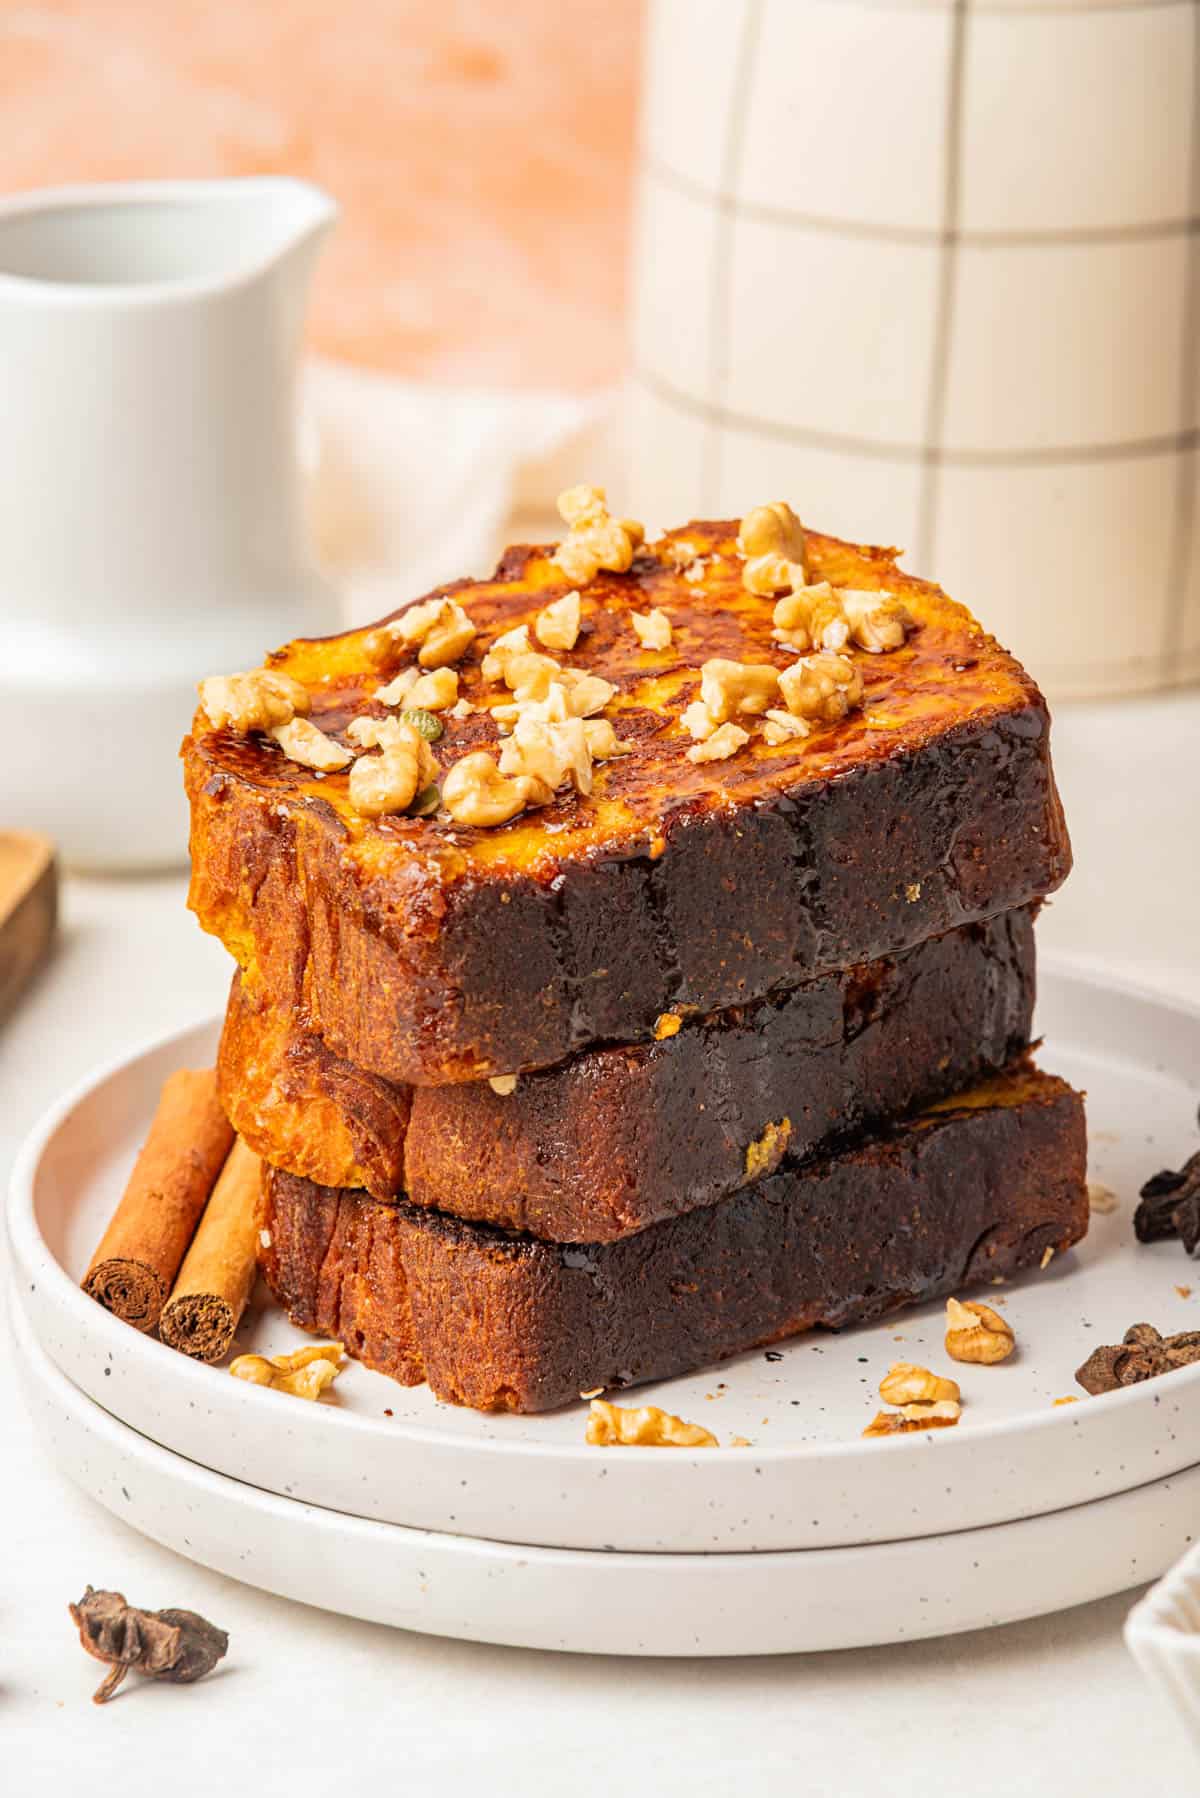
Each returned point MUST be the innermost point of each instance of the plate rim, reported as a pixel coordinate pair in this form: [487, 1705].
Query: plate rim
[31, 1253]
[471, 1611]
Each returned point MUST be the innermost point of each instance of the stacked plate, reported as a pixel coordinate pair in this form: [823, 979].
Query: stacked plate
[794, 1534]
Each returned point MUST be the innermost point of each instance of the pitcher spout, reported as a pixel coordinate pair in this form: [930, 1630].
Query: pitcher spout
[288, 217]
[159, 240]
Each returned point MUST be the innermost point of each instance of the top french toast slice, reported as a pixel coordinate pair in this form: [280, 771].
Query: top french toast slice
[427, 952]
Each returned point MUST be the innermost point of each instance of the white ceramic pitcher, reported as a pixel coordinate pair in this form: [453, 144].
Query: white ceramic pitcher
[151, 520]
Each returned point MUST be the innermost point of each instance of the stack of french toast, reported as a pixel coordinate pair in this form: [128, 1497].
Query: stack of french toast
[635, 958]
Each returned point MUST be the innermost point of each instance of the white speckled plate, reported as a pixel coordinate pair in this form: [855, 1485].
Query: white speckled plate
[393, 1455]
[590, 1603]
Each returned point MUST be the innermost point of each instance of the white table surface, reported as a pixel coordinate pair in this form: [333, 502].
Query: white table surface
[307, 1702]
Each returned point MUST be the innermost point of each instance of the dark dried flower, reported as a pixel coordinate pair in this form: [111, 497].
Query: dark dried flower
[1143, 1355]
[1187, 1219]
[174, 1645]
[1170, 1206]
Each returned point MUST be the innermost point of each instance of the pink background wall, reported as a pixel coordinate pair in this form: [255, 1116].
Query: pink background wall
[481, 151]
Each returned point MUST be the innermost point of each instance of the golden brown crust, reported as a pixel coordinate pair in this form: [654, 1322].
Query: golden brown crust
[969, 1193]
[674, 883]
[614, 1139]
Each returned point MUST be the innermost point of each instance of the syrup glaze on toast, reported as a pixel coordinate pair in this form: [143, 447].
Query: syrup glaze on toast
[426, 952]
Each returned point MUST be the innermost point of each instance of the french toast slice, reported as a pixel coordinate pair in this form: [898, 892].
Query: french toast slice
[615, 1139]
[971, 1191]
[427, 951]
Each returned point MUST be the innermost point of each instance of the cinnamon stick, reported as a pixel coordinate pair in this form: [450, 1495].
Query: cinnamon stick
[140, 1253]
[217, 1275]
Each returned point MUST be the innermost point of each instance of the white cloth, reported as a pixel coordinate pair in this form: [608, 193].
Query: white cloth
[409, 485]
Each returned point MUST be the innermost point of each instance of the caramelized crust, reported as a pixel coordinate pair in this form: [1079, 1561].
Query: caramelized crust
[675, 885]
[615, 1139]
[967, 1193]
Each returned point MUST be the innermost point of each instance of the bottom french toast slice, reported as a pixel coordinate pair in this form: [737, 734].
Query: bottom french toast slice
[971, 1190]
[616, 1139]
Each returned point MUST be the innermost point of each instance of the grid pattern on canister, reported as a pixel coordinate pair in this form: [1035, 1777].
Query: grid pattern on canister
[933, 267]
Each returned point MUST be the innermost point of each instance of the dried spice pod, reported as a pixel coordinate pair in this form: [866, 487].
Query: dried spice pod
[1187, 1220]
[1183, 1349]
[179, 1646]
[1142, 1355]
[1099, 1372]
[1170, 1206]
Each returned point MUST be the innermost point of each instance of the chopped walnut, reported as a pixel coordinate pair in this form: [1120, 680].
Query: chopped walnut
[383, 784]
[772, 530]
[557, 626]
[765, 1153]
[570, 693]
[914, 1417]
[652, 629]
[782, 727]
[528, 676]
[587, 694]
[305, 1373]
[582, 505]
[440, 627]
[977, 1334]
[877, 621]
[769, 575]
[553, 753]
[389, 782]
[434, 692]
[905, 1384]
[603, 742]
[680, 554]
[611, 1425]
[725, 741]
[729, 689]
[823, 687]
[697, 720]
[376, 733]
[260, 700]
[399, 689]
[504, 1085]
[594, 540]
[476, 793]
[686, 560]
[771, 540]
[513, 643]
[810, 618]
[302, 742]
